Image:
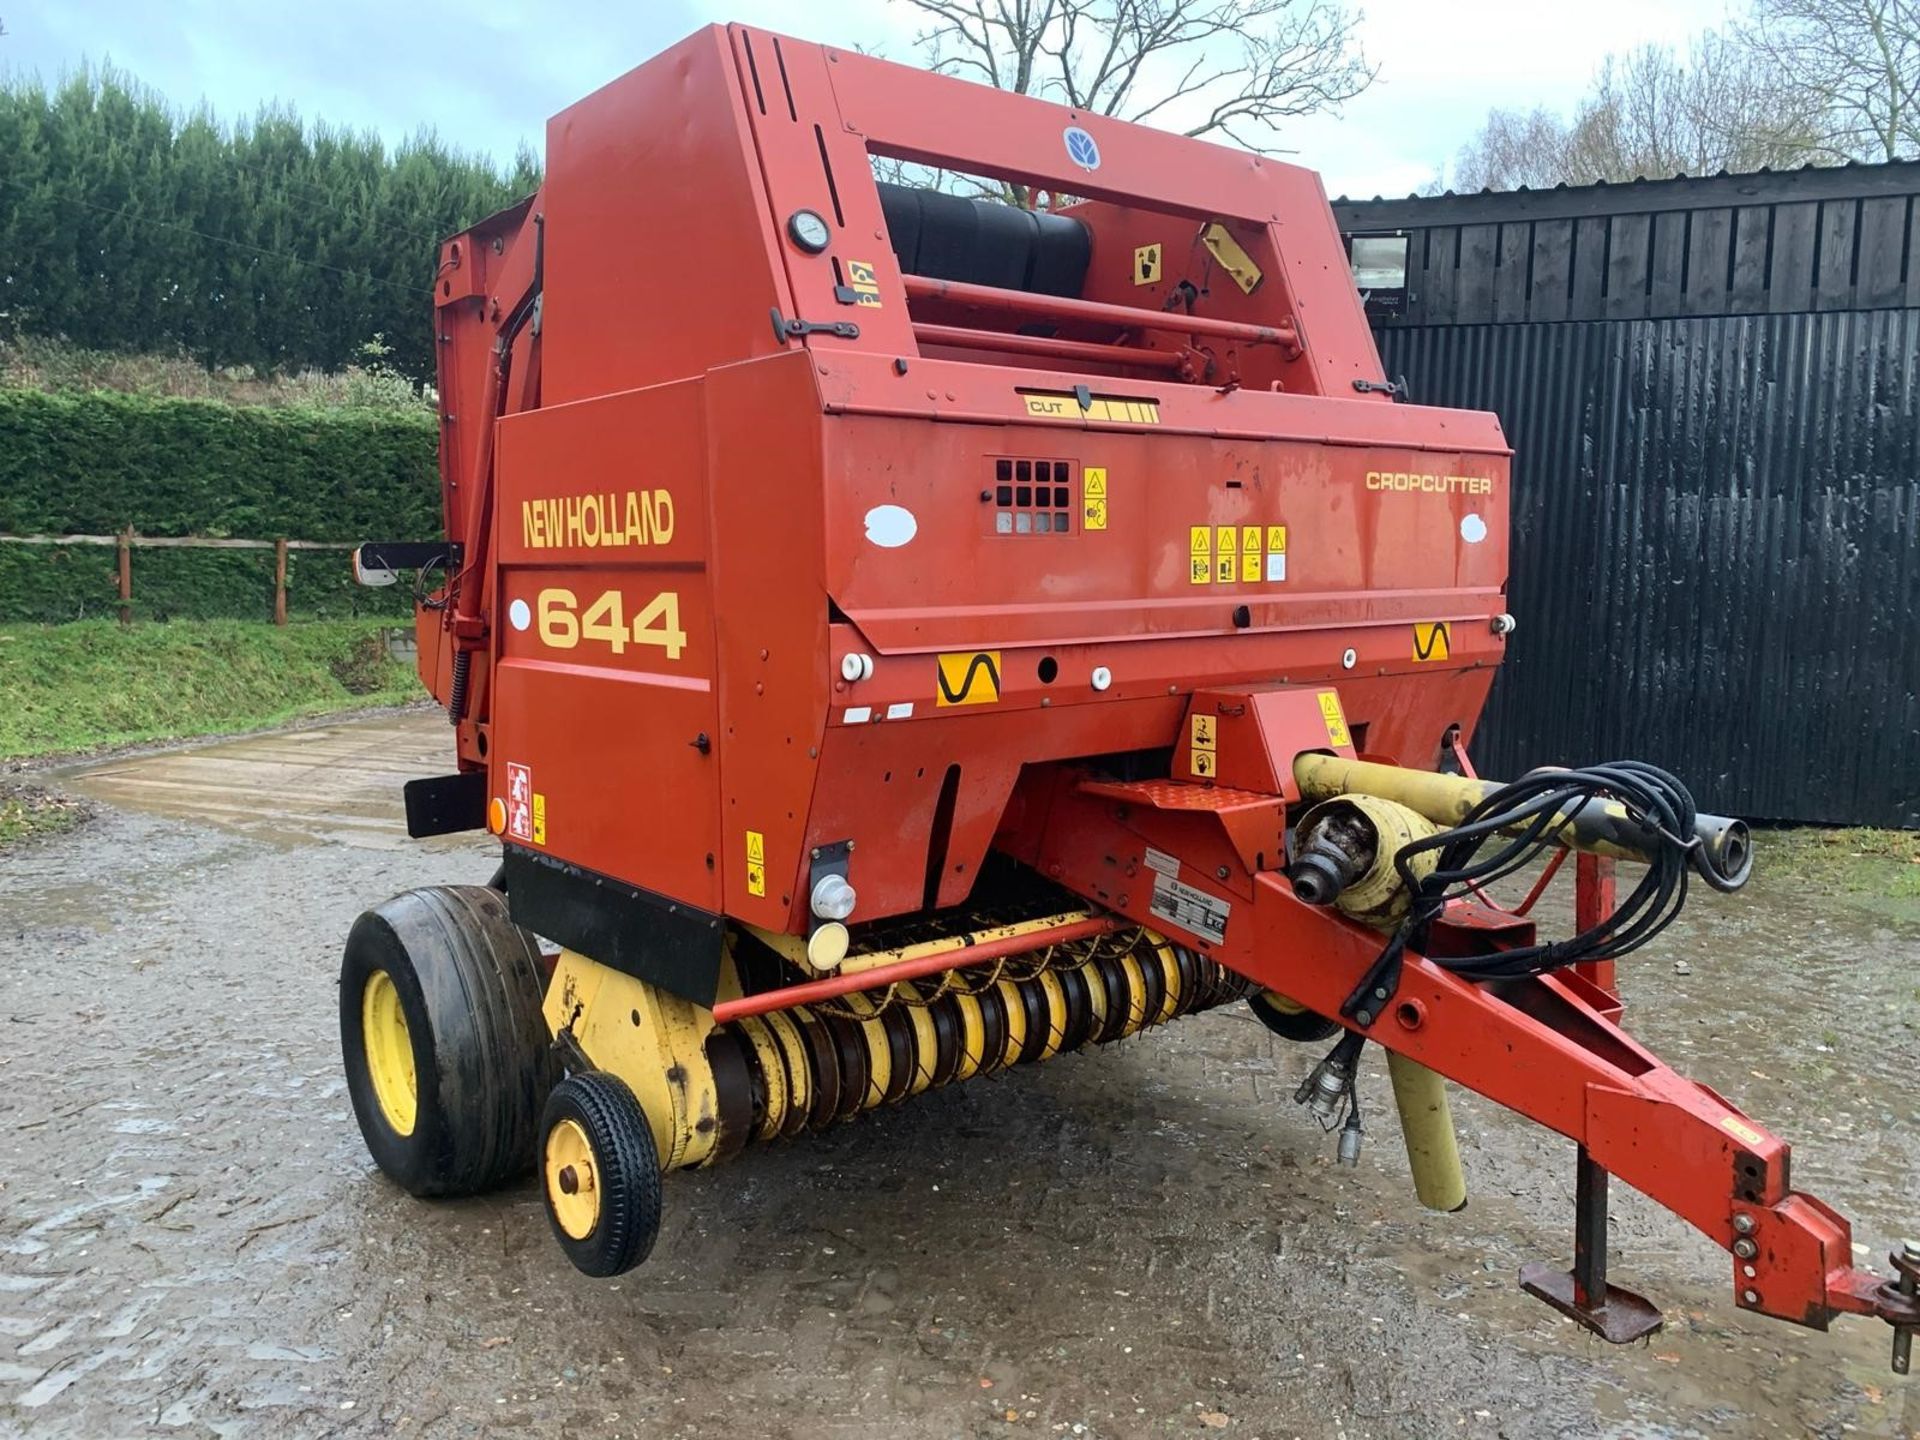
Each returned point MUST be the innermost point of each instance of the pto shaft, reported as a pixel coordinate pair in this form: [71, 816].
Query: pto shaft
[1599, 827]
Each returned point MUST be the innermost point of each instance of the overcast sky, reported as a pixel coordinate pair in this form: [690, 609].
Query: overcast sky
[487, 73]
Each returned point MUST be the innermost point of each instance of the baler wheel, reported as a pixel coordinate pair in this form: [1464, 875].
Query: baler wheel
[447, 1056]
[600, 1174]
[1296, 1024]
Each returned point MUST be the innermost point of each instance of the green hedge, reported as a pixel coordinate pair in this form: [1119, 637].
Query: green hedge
[82, 582]
[95, 463]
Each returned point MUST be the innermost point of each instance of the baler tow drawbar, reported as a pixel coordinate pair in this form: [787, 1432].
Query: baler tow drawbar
[1463, 988]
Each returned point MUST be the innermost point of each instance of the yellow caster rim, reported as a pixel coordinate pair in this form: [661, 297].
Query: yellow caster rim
[572, 1192]
[383, 1026]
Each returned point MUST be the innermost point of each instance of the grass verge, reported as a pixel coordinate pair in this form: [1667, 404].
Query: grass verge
[95, 683]
[1862, 862]
[29, 813]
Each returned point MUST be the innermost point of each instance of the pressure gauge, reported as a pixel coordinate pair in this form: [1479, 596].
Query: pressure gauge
[809, 231]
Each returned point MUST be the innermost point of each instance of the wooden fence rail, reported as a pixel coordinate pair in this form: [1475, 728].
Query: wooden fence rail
[126, 542]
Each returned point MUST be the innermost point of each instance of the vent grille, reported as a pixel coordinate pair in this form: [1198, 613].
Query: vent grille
[1032, 497]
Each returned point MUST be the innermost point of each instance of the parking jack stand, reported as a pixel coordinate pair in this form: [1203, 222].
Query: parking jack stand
[1583, 1293]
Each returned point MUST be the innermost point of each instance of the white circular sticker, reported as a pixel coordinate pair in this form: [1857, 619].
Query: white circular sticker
[1473, 529]
[520, 614]
[891, 526]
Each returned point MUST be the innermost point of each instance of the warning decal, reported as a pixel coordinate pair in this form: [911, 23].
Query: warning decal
[1200, 554]
[1250, 553]
[1203, 754]
[865, 287]
[539, 818]
[1229, 542]
[1146, 264]
[520, 801]
[756, 863]
[969, 677]
[1336, 719]
[1192, 910]
[1431, 641]
[1276, 552]
[1093, 497]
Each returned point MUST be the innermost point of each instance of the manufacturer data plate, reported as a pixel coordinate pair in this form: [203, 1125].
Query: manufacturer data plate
[1192, 910]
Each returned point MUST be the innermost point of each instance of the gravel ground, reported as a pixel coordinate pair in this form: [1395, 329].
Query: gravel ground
[1148, 1241]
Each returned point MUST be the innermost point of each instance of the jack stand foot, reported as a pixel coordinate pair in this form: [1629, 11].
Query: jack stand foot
[1583, 1294]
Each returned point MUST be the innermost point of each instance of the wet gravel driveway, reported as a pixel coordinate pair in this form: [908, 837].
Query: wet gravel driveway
[1148, 1241]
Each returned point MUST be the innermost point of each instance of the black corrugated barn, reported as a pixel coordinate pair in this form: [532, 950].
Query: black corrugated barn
[1712, 388]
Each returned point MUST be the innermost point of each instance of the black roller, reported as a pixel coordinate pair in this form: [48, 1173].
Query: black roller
[985, 242]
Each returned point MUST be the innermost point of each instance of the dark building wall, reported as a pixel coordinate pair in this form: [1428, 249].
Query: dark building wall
[1716, 508]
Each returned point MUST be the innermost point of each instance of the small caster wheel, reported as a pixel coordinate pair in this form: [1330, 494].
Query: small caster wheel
[600, 1174]
[1290, 1021]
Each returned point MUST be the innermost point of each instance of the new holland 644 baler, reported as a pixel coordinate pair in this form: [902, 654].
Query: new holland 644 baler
[898, 636]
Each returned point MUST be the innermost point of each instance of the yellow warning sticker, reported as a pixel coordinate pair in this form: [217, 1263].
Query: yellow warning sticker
[864, 284]
[1229, 543]
[1146, 264]
[1431, 641]
[1203, 750]
[1336, 719]
[1200, 554]
[1742, 1131]
[1109, 409]
[1093, 498]
[1250, 553]
[539, 818]
[756, 863]
[1276, 552]
[969, 677]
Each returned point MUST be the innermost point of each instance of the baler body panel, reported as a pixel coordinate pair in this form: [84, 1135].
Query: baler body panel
[872, 494]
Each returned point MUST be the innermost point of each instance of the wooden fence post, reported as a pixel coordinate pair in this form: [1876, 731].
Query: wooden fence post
[126, 576]
[279, 582]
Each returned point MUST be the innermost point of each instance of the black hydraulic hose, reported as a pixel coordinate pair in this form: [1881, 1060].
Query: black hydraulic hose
[1509, 829]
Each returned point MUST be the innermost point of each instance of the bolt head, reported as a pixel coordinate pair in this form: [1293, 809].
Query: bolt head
[1745, 1249]
[1743, 1223]
[1751, 1297]
[1910, 1249]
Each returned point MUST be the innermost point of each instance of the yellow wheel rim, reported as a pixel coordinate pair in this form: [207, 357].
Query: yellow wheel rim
[383, 1026]
[573, 1189]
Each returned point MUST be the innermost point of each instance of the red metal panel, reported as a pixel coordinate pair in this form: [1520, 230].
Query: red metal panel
[1353, 556]
[770, 600]
[1249, 738]
[604, 684]
[661, 258]
[809, 160]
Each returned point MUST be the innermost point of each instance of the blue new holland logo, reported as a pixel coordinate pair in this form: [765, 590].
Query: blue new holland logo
[1082, 148]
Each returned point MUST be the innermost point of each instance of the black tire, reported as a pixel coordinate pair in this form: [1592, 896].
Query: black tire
[626, 1173]
[1303, 1026]
[468, 984]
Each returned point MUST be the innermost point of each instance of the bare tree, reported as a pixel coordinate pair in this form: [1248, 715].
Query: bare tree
[1230, 68]
[1655, 113]
[1723, 107]
[1514, 148]
[1858, 60]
